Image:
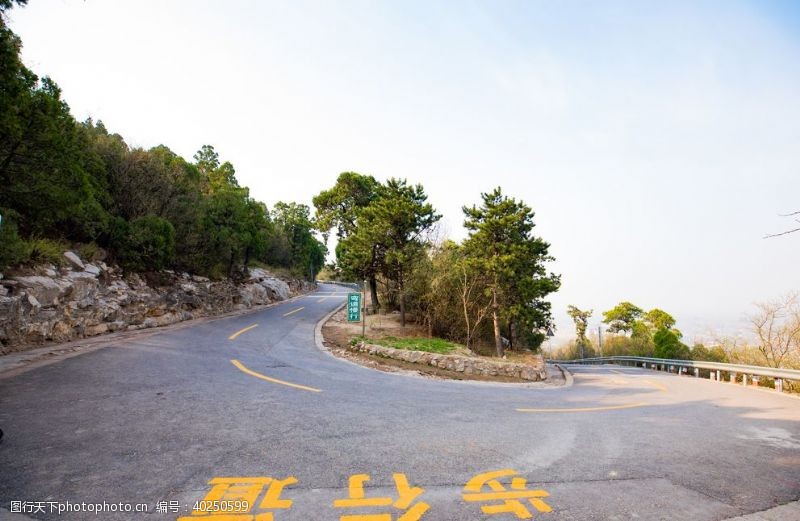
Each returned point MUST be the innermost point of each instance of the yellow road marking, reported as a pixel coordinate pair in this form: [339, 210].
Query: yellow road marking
[590, 409]
[245, 370]
[292, 312]
[245, 330]
[660, 387]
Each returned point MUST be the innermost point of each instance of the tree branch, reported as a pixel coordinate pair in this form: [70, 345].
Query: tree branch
[787, 232]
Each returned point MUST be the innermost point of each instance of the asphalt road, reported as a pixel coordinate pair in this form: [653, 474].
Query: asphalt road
[157, 419]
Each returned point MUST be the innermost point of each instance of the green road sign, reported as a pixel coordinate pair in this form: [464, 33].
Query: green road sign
[354, 307]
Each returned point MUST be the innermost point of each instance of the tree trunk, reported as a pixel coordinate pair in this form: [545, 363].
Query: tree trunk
[373, 290]
[402, 308]
[469, 330]
[498, 342]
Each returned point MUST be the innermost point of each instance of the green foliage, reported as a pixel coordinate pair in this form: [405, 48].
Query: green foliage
[380, 229]
[668, 345]
[581, 320]
[501, 245]
[46, 251]
[302, 250]
[46, 170]
[659, 319]
[145, 244]
[13, 250]
[629, 318]
[91, 252]
[338, 208]
[622, 317]
[151, 209]
[652, 333]
[389, 235]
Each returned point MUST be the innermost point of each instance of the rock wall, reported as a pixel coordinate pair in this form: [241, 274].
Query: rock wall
[457, 363]
[84, 299]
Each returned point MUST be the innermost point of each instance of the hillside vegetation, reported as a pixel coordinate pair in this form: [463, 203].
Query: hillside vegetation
[65, 181]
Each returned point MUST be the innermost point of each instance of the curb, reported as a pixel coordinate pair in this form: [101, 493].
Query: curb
[540, 385]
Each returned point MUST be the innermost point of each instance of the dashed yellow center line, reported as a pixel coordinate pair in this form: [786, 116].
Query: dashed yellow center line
[245, 370]
[245, 330]
[590, 409]
[293, 311]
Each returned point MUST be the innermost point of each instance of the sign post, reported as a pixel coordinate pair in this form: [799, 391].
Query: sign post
[364, 309]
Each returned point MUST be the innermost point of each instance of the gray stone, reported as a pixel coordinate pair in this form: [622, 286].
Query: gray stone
[46, 290]
[93, 299]
[33, 302]
[276, 288]
[74, 260]
[92, 269]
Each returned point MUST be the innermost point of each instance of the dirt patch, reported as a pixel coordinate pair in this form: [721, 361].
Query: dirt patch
[338, 333]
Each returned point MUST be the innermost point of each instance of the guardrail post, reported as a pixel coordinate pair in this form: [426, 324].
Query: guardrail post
[719, 376]
[733, 378]
[696, 372]
[779, 385]
[711, 375]
[744, 380]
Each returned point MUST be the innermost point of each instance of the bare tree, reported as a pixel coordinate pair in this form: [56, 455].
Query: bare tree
[776, 324]
[474, 303]
[791, 214]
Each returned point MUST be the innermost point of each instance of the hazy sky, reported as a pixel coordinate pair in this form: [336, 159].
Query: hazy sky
[656, 141]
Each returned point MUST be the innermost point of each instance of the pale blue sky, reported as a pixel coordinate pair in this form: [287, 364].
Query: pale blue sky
[657, 141]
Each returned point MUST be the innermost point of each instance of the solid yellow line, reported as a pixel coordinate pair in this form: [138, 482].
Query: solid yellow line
[244, 369]
[291, 312]
[245, 330]
[589, 409]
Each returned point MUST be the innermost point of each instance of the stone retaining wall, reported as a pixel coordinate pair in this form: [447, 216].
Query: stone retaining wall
[83, 299]
[457, 363]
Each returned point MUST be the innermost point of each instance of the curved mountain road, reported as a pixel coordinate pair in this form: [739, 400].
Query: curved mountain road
[203, 413]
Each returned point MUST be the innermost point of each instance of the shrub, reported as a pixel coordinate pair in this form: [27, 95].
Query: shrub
[144, 244]
[13, 250]
[46, 251]
[91, 252]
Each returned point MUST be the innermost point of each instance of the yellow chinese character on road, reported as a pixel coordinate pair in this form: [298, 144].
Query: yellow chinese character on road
[234, 499]
[510, 498]
[406, 495]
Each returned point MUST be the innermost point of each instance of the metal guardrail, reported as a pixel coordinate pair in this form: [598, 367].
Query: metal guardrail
[668, 364]
[351, 285]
